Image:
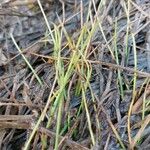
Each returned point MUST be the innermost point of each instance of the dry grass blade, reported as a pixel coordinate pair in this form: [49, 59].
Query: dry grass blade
[139, 134]
[69, 142]
[28, 125]
[110, 65]
[133, 91]
[140, 9]
[16, 117]
[21, 2]
[113, 129]
[3, 58]
[39, 80]
[40, 118]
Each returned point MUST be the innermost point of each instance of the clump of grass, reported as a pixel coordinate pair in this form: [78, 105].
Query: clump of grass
[79, 50]
[77, 62]
[78, 53]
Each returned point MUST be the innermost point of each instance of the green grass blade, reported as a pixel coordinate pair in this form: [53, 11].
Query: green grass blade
[29, 65]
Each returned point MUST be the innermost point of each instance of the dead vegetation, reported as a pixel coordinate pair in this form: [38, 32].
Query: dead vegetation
[75, 74]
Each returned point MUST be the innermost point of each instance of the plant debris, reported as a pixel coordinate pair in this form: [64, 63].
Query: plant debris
[74, 74]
